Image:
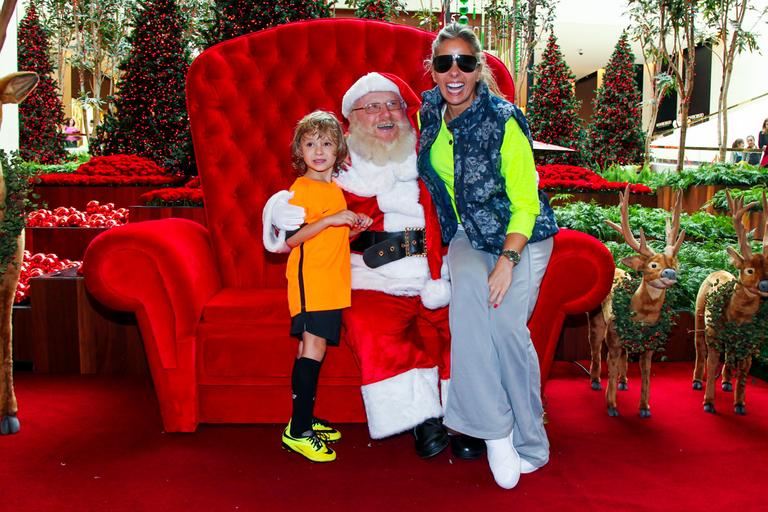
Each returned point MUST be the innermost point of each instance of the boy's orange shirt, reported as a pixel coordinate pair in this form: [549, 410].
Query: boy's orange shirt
[320, 266]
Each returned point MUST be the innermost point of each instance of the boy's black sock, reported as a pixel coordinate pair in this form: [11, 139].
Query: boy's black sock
[304, 385]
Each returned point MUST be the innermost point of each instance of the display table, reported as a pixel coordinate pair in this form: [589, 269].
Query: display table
[63, 330]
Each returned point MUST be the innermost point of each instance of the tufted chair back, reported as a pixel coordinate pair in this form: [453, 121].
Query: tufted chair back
[244, 97]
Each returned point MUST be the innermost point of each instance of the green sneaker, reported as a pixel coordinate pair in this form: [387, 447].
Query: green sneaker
[311, 447]
[325, 431]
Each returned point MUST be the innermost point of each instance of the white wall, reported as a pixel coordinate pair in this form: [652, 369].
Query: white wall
[9, 132]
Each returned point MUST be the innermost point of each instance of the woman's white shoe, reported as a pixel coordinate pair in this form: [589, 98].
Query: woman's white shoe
[526, 467]
[504, 462]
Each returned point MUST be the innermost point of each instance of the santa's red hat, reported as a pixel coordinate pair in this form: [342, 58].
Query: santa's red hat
[381, 82]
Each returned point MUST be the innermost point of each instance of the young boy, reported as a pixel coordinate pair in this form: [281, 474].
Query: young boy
[318, 273]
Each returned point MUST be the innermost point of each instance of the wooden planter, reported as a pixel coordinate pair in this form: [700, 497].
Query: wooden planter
[142, 213]
[607, 198]
[79, 195]
[693, 197]
[65, 242]
[64, 330]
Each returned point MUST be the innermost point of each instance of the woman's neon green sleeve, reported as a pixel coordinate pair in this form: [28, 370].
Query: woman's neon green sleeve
[522, 180]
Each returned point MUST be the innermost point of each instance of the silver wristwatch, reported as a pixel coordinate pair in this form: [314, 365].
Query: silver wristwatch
[511, 255]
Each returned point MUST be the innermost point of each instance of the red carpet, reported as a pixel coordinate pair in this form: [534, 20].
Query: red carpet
[95, 444]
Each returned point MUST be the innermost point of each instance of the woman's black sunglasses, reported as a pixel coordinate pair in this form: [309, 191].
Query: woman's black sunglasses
[466, 63]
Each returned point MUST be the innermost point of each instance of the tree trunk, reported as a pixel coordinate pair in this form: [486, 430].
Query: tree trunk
[684, 107]
[651, 126]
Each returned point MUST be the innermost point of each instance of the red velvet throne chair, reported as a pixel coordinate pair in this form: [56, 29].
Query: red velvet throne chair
[211, 302]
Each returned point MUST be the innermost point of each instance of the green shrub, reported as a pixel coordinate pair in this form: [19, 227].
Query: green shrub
[728, 174]
[590, 218]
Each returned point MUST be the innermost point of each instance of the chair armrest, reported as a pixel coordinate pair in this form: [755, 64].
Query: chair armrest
[164, 271]
[578, 278]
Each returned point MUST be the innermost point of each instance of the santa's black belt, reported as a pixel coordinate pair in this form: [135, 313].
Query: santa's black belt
[382, 247]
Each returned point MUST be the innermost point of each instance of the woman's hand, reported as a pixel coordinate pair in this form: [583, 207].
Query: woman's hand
[499, 281]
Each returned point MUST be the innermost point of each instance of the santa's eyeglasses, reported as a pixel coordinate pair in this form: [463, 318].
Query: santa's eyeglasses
[376, 108]
[443, 63]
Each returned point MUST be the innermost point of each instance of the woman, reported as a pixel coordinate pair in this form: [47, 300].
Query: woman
[762, 143]
[737, 156]
[475, 158]
[752, 156]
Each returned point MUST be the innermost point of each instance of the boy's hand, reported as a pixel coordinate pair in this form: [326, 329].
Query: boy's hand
[342, 218]
[363, 222]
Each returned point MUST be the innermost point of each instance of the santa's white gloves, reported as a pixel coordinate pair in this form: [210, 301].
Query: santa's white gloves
[278, 217]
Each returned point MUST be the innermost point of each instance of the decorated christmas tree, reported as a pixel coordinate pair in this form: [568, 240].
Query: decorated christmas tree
[552, 109]
[615, 133]
[149, 115]
[237, 17]
[41, 115]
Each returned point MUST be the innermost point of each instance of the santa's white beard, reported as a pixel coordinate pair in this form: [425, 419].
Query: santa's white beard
[375, 150]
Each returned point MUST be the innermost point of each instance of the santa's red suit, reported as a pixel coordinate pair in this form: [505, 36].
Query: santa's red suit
[397, 325]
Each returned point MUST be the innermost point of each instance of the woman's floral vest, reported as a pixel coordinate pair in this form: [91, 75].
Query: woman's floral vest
[479, 188]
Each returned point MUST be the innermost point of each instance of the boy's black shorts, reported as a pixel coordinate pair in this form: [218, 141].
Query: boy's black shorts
[326, 324]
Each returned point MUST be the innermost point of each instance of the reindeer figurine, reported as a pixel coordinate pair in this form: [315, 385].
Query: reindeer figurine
[659, 272]
[729, 317]
[13, 89]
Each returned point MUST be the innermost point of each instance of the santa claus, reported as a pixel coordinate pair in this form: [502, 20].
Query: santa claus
[397, 326]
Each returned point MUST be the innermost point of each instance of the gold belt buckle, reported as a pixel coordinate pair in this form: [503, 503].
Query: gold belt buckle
[409, 243]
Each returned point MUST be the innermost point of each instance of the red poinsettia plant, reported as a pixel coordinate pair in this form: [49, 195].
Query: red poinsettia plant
[96, 215]
[39, 264]
[580, 179]
[189, 195]
[114, 170]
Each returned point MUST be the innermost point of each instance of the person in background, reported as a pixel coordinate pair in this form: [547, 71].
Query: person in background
[753, 155]
[762, 143]
[737, 156]
[71, 133]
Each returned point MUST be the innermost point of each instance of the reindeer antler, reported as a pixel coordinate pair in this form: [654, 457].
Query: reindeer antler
[736, 205]
[674, 242]
[642, 247]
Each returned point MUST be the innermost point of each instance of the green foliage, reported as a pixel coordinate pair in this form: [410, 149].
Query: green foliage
[728, 174]
[65, 167]
[736, 341]
[590, 218]
[754, 194]
[18, 184]
[628, 173]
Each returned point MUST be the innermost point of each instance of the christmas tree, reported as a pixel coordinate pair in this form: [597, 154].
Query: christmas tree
[238, 17]
[615, 133]
[552, 109]
[41, 115]
[149, 117]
